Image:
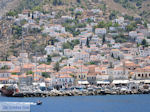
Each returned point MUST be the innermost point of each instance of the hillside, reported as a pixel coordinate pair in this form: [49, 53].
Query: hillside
[36, 42]
[6, 5]
[129, 7]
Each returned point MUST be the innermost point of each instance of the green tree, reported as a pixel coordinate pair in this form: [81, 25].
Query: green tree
[17, 31]
[45, 74]
[113, 15]
[29, 14]
[57, 2]
[116, 25]
[129, 28]
[144, 42]
[109, 24]
[29, 72]
[79, 1]
[12, 13]
[145, 24]
[57, 67]
[14, 73]
[101, 24]
[91, 63]
[49, 59]
[139, 3]
[70, 45]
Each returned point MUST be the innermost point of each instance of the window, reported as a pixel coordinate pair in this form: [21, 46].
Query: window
[139, 75]
[103, 71]
[145, 75]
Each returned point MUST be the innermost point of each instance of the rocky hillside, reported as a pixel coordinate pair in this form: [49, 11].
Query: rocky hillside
[6, 5]
[10, 33]
[130, 7]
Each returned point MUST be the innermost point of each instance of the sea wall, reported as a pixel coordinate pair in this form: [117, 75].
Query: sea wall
[79, 93]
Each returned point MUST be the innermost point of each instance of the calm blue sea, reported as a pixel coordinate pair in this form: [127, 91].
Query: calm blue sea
[109, 103]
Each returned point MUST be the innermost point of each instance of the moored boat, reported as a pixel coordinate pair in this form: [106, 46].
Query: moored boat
[9, 90]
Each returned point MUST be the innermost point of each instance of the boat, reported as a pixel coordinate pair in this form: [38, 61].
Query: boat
[9, 90]
[39, 103]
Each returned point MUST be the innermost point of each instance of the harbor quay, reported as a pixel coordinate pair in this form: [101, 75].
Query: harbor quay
[118, 87]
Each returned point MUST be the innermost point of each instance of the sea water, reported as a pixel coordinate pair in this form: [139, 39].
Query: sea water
[108, 103]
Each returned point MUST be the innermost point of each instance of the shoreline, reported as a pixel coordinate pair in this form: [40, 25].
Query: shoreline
[55, 93]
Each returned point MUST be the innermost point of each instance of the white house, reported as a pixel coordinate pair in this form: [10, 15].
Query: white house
[133, 34]
[55, 28]
[100, 31]
[65, 18]
[65, 80]
[82, 56]
[78, 10]
[68, 52]
[120, 20]
[56, 59]
[142, 73]
[118, 73]
[50, 49]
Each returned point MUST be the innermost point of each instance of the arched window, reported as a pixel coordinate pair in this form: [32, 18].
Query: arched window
[139, 75]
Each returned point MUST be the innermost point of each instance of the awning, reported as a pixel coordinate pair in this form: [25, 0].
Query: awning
[120, 82]
[147, 81]
[140, 81]
[39, 84]
[103, 82]
[136, 81]
[83, 82]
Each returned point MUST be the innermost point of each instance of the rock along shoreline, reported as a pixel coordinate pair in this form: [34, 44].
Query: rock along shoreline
[55, 93]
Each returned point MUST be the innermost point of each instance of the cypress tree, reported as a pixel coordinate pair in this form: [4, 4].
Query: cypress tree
[32, 16]
[87, 43]
[49, 58]
[112, 55]
[103, 40]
